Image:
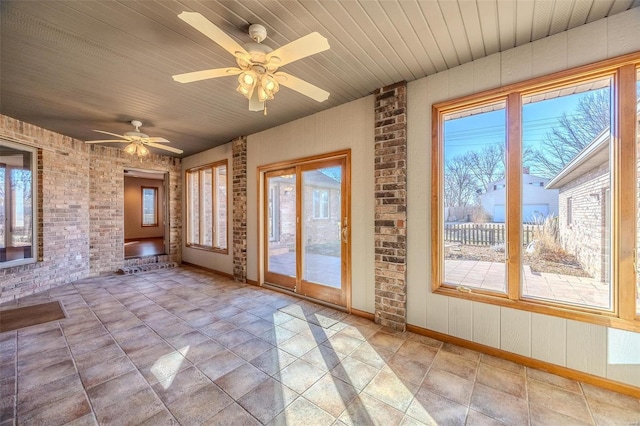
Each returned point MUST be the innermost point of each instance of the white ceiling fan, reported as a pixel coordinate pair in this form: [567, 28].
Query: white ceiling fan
[138, 141]
[258, 76]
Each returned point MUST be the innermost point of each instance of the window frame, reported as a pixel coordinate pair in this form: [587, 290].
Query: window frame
[623, 73]
[213, 168]
[155, 206]
[36, 204]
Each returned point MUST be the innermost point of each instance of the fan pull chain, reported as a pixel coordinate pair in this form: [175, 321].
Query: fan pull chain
[265, 108]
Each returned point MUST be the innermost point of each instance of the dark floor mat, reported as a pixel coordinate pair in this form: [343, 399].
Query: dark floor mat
[13, 319]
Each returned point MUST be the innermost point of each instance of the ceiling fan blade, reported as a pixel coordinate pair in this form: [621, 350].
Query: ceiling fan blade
[207, 28]
[301, 48]
[166, 148]
[107, 140]
[156, 139]
[109, 133]
[302, 86]
[206, 74]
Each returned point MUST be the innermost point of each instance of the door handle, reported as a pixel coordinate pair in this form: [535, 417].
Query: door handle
[345, 232]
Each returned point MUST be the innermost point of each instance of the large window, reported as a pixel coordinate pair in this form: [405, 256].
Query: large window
[538, 195]
[207, 206]
[18, 243]
[149, 206]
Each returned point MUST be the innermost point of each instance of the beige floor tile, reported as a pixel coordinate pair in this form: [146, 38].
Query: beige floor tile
[243, 379]
[406, 369]
[62, 411]
[299, 375]
[298, 345]
[117, 389]
[386, 341]
[502, 380]
[499, 405]
[624, 401]
[431, 408]
[448, 385]
[367, 410]
[388, 388]
[165, 366]
[331, 394]
[475, 418]
[135, 409]
[354, 372]
[417, 351]
[273, 360]
[323, 357]
[302, 413]
[267, 400]
[369, 355]
[559, 400]
[233, 415]
[220, 364]
[543, 416]
[503, 364]
[455, 364]
[32, 378]
[608, 414]
[552, 379]
[251, 348]
[199, 405]
[180, 385]
[45, 394]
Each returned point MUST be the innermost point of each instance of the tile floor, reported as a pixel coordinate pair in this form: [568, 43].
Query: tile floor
[182, 346]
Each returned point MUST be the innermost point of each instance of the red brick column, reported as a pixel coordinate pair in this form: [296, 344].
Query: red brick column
[239, 147]
[391, 206]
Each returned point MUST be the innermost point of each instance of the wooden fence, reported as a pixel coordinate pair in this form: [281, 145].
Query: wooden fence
[483, 234]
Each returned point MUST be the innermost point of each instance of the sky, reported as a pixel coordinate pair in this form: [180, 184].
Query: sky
[474, 132]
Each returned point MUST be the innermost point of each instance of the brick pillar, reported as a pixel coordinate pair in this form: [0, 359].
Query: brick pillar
[391, 206]
[240, 209]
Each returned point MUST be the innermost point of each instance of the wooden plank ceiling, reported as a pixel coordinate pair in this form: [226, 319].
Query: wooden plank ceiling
[73, 66]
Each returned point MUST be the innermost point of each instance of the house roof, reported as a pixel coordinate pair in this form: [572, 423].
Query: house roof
[73, 66]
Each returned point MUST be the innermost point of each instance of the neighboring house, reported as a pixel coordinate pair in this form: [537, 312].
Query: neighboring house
[538, 201]
[321, 205]
[585, 205]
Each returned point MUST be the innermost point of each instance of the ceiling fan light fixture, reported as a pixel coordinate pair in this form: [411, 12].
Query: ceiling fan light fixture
[131, 149]
[247, 83]
[142, 150]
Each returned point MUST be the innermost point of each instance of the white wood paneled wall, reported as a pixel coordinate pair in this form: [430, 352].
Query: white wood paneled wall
[593, 349]
[346, 126]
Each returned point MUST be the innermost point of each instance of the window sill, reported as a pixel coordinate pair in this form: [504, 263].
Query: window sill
[207, 248]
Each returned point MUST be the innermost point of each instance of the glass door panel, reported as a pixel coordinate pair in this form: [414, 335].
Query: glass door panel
[322, 226]
[281, 227]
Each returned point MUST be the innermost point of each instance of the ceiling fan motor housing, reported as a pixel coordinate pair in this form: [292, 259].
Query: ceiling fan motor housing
[257, 32]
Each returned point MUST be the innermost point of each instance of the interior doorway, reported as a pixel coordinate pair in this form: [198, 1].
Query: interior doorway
[306, 224]
[145, 213]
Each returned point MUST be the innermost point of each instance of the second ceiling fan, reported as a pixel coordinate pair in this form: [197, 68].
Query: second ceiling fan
[258, 76]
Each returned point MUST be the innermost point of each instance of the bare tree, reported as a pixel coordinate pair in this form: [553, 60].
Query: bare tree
[572, 134]
[460, 186]
[487, 164]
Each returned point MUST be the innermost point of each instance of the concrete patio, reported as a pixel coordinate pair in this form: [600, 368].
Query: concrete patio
[539, 285]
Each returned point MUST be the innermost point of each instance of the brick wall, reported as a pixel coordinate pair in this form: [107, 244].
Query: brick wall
[239, 147]
[391, 206]
[81, 205]
[106, 209]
